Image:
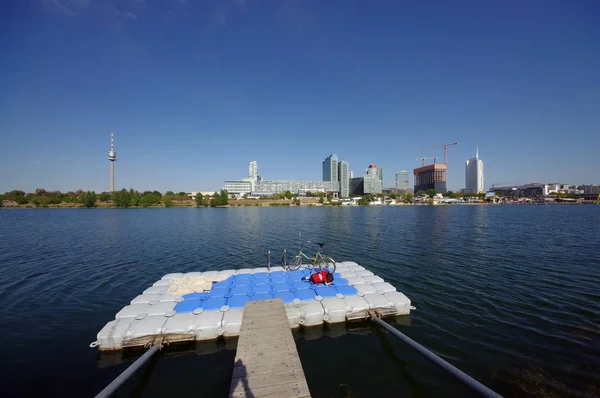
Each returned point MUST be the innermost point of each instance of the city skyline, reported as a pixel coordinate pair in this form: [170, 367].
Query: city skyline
[191, 103]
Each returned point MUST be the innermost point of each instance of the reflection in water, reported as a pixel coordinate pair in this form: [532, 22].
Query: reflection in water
[485, 281]
[113, 358]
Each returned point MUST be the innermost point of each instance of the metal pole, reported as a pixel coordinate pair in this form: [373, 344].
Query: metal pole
[283, 258]
[459, 374]
[127, 373]
[269, 260]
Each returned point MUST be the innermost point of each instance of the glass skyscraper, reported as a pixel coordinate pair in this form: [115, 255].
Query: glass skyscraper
[330, 168]
[402, 181]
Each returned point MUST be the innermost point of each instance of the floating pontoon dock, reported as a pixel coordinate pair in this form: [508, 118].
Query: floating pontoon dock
[156, 316]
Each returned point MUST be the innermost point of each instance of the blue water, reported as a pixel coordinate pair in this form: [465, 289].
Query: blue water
[509, 294]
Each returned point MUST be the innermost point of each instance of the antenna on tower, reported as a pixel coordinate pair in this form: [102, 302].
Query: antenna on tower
[112, 156]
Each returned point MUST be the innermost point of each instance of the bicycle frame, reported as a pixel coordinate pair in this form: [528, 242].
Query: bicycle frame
[314, 260]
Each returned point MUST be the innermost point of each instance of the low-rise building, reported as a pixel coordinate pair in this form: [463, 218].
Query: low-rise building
[590, 189]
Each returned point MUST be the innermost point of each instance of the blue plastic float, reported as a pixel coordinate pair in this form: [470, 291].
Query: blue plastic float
[156, 316]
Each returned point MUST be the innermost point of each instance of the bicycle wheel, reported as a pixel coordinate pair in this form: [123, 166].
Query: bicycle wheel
[327, 263]
[295, 263]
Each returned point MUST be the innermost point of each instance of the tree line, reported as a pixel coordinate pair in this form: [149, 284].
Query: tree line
[123, 198]
[214, 200]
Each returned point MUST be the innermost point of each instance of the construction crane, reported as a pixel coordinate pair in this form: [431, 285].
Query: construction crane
[424, 159]
[445, 146]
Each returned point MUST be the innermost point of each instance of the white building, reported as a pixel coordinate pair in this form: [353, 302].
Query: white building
[474, 174]
[253, 170]
[239, 187]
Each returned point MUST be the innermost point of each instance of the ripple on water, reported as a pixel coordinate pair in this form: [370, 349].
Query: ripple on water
[496, 294]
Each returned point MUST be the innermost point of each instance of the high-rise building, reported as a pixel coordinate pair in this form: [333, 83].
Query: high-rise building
[344, 179]
[402, 182]
[474, 174]
[351, 174]
[380, 173]
[253, 170]
[373, 184]
[432, 176]
[330, 168]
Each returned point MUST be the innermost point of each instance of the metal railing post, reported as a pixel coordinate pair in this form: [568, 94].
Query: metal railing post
[283, 258]
[127, 373]
[457, 373]
[269, 260]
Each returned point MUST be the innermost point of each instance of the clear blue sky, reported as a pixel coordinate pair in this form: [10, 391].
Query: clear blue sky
[194, 90]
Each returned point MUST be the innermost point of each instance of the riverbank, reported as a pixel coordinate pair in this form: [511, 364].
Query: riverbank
[270, 203]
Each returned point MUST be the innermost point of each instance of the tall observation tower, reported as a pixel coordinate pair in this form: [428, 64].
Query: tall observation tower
[112, 156]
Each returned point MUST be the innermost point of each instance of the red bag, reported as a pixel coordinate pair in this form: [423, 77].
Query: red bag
[321, 277]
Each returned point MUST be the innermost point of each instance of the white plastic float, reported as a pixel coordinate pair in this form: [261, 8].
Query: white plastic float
[155, 316]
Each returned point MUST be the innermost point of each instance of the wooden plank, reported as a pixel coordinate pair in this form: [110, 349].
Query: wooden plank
[266, 367]
[260, 380]
[261, 325]
[289, 390]
[267, 362]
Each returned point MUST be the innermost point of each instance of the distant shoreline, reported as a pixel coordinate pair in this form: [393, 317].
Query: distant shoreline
[266, 203]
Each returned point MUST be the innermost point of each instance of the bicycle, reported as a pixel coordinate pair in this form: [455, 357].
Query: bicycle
[320, 261]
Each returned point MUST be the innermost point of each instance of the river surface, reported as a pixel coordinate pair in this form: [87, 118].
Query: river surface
[509, 294]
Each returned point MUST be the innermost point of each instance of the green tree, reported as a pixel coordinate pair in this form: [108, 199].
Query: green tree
[104, 197]
[16, 196]
[431, 192]
[215, 199]
[44, 201]
[182, 194]
[169, 193]
[363, 201]
[121, 198]
[88, 199]
[134, 198]
[34, 200]
[69, 197]
[146, 200]
[420, 193]
[224, 197]
[31, 198]
[206, 200]
[408, 197]
[150, 198]
[168, 202]
[321, 200]
[199, 200]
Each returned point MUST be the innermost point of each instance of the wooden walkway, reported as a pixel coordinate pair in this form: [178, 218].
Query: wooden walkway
[267, 362]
